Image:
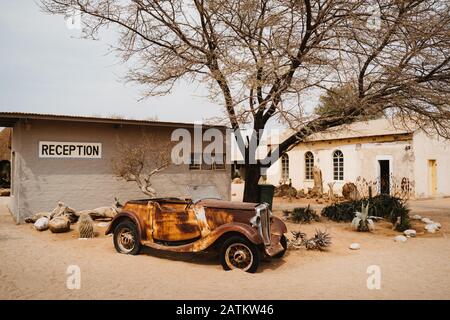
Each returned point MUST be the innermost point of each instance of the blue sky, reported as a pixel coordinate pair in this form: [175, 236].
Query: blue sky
[46, 68]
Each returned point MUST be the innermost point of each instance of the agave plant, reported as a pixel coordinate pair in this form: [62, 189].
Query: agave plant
[320, 241]
[362, 221]
[298, 240]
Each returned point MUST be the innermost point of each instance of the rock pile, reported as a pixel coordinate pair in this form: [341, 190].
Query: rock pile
[62, 216]
[430, 225]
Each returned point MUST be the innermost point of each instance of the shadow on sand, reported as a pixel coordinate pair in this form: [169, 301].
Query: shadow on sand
[207, 258]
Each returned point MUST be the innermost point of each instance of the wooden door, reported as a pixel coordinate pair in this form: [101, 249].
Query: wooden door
[432, 172]
[385, 177]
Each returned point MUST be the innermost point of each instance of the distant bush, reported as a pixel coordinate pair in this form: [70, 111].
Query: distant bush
[390, 208]
[304, 215]
[341, 212]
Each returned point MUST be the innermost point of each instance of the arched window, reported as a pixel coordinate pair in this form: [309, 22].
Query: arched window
[309, 164]
[285, 167]
[338, 165]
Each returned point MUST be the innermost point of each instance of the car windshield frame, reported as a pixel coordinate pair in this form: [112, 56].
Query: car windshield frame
[201, 192]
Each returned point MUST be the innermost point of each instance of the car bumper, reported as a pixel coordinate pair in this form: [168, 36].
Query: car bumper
[277, 229]
[275, 246]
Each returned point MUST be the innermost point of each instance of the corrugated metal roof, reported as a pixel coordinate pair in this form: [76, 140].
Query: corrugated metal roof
[369, 128]
[9, 118]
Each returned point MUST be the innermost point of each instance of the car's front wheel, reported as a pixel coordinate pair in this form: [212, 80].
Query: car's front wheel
[126, 238]
[239, 253]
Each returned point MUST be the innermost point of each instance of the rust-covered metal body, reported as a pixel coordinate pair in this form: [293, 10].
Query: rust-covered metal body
[181, 225]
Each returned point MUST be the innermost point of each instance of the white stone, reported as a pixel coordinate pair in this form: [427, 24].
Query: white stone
[431, 227]
[410, 233]
[438, 225]
[400, 238]
[355, 246]
[426, 220]
[416, 217]
[41, 224]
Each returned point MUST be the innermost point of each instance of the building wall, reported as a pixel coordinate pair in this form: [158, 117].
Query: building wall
[431, 148]
[360, 160]
[39, 183]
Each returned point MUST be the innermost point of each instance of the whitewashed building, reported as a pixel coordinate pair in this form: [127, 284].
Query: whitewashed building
[387, 156]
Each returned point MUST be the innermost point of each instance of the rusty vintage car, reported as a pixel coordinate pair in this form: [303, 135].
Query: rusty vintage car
[242, 233]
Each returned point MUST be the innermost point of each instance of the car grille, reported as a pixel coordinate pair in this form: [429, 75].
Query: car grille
[264, 227]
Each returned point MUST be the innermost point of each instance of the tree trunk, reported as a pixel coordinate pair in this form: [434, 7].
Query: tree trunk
[252, 175]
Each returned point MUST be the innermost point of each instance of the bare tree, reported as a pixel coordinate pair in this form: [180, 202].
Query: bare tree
[400, 68]
[141, 161]
[260, 58]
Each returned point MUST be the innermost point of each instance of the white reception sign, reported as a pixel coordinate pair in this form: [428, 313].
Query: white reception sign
[53, 149]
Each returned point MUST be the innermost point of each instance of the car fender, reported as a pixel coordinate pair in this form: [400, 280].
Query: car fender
[122, 216]
[247, 231]
[278, 227]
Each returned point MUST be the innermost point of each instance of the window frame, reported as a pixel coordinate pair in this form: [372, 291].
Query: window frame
[202, 166]
[338, 165]
[219, 166]
[309, 164]
[192, 164]
[285, 167]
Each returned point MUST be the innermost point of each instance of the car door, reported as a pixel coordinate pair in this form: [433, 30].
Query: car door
[175, 223]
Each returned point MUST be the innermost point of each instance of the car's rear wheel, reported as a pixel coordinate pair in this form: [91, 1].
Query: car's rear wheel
[126, 238]
[239, 253]
[283, 242]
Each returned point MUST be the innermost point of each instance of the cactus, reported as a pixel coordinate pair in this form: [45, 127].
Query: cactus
[85, 226]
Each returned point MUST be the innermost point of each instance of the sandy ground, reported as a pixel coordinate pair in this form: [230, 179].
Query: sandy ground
[33, 265]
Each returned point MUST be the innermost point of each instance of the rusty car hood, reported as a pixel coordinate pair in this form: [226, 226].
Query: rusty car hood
[224, 204]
